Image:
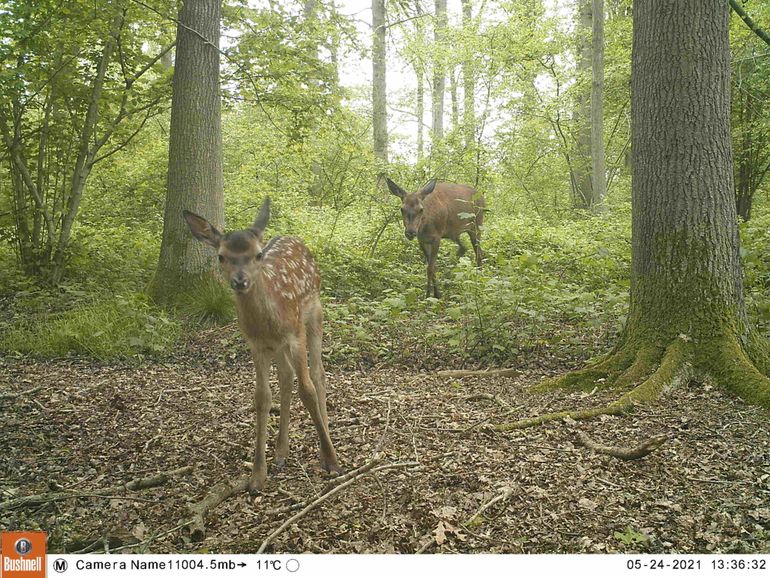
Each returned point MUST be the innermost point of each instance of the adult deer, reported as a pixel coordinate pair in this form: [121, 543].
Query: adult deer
[277, 298]
[441, 211]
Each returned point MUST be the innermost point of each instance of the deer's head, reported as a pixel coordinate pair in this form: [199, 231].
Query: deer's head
[239, 252]
[412, 210]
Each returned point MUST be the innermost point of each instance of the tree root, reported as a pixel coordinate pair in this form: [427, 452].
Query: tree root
[674, 369]
[633, 453]
[591, 376]
[730, 368]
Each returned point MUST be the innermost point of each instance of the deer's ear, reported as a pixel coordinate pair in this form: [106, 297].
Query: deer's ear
[395, 189]
[202, 229]
[260, 223]
[428, 188]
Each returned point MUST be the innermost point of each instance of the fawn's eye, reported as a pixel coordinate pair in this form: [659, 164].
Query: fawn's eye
[258, 256]
[221, 258]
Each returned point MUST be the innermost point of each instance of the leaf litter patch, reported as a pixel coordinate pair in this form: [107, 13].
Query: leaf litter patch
[538, 490]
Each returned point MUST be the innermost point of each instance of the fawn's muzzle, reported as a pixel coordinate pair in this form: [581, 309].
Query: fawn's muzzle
[410, 234]
[239, 284]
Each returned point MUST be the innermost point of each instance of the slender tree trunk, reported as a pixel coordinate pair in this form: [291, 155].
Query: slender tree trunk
[469, 84]
[316, 185]
[195, 179]
[439, 73]
[379, 90]
[453, 98]
[598, 170]
[687, 318]
[86, 152]
[420, 73]
[582, 113]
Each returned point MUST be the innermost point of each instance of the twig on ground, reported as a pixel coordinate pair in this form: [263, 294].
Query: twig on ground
[360, 473]
[133, 485]
[17, 394]
[633, 453]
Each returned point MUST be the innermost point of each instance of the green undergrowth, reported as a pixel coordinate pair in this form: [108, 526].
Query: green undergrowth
[116, 328]
[547, 291]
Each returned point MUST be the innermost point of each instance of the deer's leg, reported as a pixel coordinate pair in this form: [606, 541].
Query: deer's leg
[460, 247]
[428, 250]
[262, 399]
[474, 235]
[432, 269]
[424, 249]
[314, 327]
[285, 381]
[309, 396]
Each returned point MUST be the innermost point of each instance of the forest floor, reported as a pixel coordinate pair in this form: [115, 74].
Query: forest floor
[90, 427]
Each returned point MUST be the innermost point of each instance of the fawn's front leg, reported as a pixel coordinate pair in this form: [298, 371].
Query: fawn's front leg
[262, 399]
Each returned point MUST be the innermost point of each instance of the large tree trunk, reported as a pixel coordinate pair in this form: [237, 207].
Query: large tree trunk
[582, 112]
[379, 95]
[598, 170]
[687, 318]
[439, 75]
[195, 179]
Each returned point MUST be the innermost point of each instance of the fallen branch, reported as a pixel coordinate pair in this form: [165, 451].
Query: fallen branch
[615, 408]
[361, 472]
[134, 485]
[633, 453]
[478, 373]
[216, 496]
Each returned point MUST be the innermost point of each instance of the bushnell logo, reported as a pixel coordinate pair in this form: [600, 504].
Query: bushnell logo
[23, 554]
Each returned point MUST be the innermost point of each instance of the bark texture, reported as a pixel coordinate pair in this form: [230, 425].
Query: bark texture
[581, 115]
[439, 74]
[469, 83]
[687, 319]
[598, 165]
[195, 178]
[379, 95]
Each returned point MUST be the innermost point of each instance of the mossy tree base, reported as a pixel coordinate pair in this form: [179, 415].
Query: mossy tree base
[645, 372]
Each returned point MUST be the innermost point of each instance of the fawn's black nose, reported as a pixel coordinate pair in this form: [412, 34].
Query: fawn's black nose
[410, 234]
[239, 284]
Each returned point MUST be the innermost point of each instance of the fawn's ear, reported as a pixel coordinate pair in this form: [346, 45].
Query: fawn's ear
[428, 188]
[260, 223]
[395, 189]
[202, 229]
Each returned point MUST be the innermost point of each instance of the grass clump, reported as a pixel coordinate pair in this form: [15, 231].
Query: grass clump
[118, 328]
[210, 303]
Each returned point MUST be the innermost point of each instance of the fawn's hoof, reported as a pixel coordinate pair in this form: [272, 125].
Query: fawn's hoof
[256, 484]
[332, 467]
